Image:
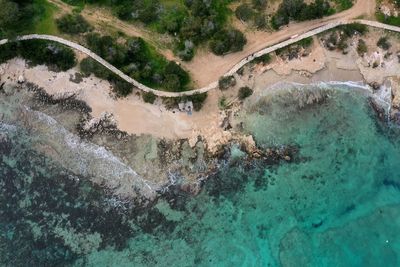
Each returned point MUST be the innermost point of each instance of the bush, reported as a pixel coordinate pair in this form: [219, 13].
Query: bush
[149, 97]
[40, 52]
[260, 21]
[362, 47]
[244, 12]
[72, 24]
[227, 40]
[54, 55]
[121, 87]
[140, 61]
[259, 4]
[173, 68]
[226, 81]
[244, 92]
[172, 83]
[383, 43]
[264, 59]
[353, 28]
[306, 42]
[222, 103]
[197, 100]
[8, 51]
[298, 10]
[89, 66]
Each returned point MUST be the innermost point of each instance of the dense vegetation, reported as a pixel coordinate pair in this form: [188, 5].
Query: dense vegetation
[25, 16]
[14, 15]
[73, 24]
[140, 61]
[227, 40]
[298, 10]
[254, 13]
[38, 52]
[244, 92]
[149, 97]
[190, 22]
[90, 66]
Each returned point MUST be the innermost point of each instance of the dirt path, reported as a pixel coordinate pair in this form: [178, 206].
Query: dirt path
[101, 18]
[214, 84]
[207, 67]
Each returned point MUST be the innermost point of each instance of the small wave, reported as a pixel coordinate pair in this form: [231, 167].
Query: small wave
[90, 160]
[279, 86]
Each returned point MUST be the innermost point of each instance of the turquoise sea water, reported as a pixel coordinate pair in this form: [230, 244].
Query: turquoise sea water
[336, 203]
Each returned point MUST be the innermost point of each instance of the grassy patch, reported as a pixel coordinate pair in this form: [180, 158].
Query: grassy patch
[391, 20]
[343, 4]
[44, 21]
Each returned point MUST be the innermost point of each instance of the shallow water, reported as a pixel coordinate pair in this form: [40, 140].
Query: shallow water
[336, 203]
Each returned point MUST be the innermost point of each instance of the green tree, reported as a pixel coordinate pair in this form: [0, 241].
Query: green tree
[227, 40]
[244, 92]
[72, 24]
[383, 43]
[149, 97]
[259, 4]
[9, 15]
[244, 12]
[172, 83]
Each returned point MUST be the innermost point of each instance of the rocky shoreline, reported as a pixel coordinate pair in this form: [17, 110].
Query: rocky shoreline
[165, 164]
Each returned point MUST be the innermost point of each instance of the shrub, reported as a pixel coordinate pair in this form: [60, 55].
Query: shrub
[259, 4]
[306, 42]
[149, 97]
[362, 47]
[222, 103]
[383, 43]
[89, 66]
[140, 61]
[197, 100]
[38, 52]
[298, 10]
[226, 81]
[353, 28]
[227, 40]
[8, 51]
[244, 12]
[173, 68]
[264, 59]
[121, 87]
[55, 55]
[244, 92]
[172, 83]
[260, 21]
[72, 24]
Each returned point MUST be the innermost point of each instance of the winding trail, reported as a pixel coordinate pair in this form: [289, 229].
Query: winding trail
[214, 84]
